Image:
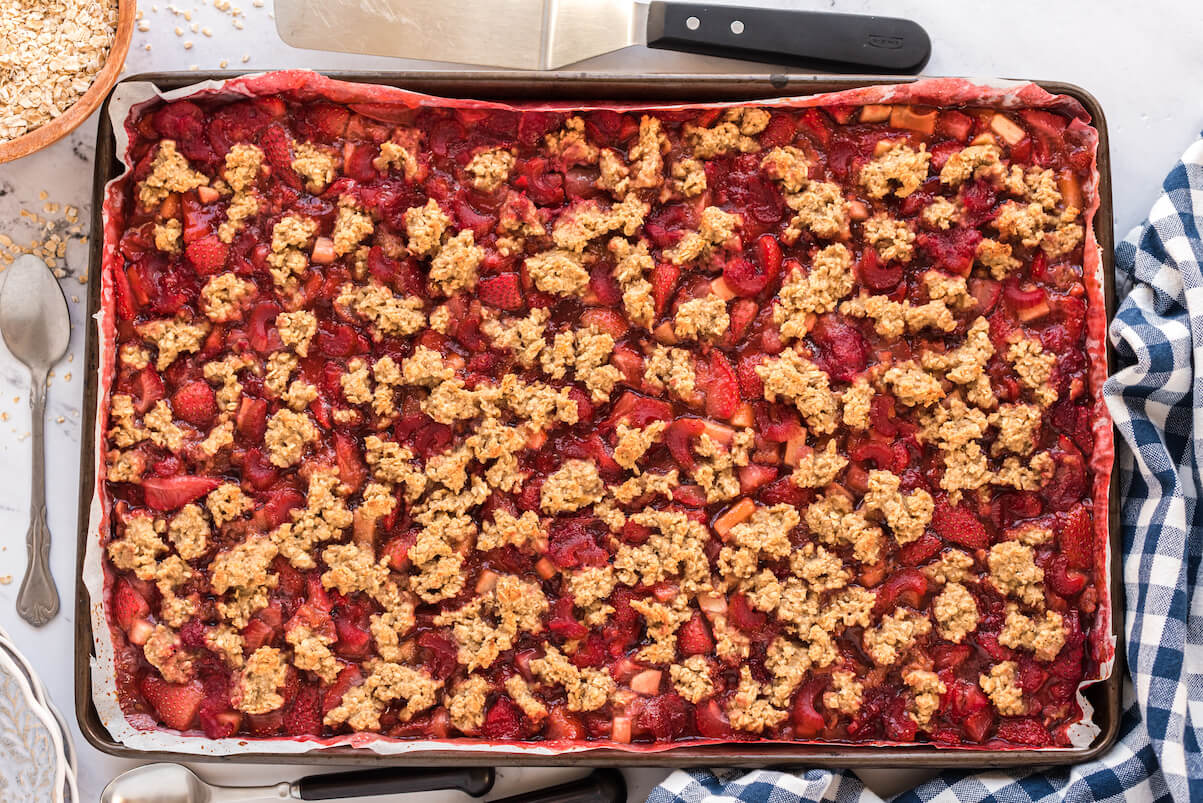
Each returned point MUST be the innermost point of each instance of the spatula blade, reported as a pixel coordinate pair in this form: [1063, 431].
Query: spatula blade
[519, 34]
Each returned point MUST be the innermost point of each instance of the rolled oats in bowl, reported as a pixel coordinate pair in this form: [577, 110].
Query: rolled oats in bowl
[50, 52]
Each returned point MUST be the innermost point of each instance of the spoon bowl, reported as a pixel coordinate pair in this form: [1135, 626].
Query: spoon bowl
[175, 783]
[34, 318]
[162, 783]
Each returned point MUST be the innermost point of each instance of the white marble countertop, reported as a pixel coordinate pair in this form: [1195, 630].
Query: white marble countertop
[1141, 60]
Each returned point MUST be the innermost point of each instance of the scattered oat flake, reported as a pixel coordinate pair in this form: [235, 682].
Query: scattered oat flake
[5, 579]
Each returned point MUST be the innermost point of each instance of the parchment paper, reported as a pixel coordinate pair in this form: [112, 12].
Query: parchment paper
[384, 103]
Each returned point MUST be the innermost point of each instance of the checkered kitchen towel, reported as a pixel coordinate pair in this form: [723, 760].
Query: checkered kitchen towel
[1156, 400]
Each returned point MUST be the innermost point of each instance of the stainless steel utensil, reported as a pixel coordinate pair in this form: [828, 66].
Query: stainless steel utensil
[548, 34]
[36, 327]
[175, 783]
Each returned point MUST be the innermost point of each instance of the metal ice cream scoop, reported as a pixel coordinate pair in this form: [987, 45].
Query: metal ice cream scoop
[36, 326]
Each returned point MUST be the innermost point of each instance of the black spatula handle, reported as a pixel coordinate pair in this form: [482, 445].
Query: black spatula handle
[475, 781]
[817, 39]
[600, 786]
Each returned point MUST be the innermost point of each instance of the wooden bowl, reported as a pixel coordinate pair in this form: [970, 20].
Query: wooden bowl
[79, 111]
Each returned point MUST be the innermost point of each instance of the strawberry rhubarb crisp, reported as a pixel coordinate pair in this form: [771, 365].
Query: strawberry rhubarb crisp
[607, 427]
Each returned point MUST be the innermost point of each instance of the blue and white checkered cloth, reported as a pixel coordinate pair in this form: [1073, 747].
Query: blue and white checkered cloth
[1156, 399]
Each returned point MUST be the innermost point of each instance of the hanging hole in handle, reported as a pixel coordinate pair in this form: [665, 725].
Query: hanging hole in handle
[737, 27]
[693, 23]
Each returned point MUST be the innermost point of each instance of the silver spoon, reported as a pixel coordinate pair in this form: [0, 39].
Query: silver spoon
[175, 783]
[36, 326]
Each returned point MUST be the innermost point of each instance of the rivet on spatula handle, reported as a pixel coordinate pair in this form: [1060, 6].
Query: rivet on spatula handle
[818, 39]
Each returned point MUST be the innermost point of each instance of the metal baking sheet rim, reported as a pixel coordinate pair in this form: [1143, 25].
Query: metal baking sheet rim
[106, 727]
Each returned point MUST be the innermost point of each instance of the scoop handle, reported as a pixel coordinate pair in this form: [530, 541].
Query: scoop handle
[599, 786]
[817, 39]
[474, 781]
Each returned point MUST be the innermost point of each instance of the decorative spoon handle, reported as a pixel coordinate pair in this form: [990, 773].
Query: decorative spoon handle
[38, 600]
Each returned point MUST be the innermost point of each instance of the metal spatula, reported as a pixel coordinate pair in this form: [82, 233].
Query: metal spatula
[547, 34]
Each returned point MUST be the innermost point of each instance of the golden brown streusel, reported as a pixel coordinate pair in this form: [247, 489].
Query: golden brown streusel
[927, 689]
[1002, 686]
[490, 168]
[974, 161]
[794, 378]
[574, 486]
[558, 271]
[169, 172]
[956, 612]
[173, 337]
[314, 164]
[1044, 636]
[819, 468]
[899, 169]
[895, 635]
[288, 433]
[702, 318]
[819, 290]
[892, 238]
[454, 267]
[821, 209]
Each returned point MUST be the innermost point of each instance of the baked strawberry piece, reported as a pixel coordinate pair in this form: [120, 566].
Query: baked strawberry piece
[610, 427]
